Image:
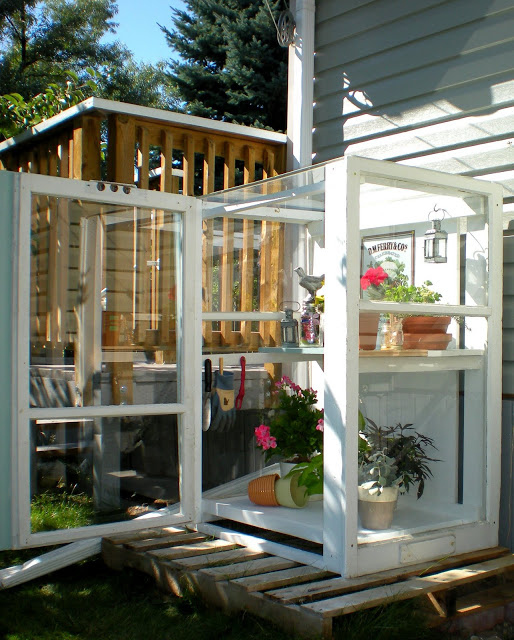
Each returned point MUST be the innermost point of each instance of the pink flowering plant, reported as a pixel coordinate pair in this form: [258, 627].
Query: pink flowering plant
[296, 432]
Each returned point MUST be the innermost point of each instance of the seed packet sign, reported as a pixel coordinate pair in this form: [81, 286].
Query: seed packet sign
[394, 252]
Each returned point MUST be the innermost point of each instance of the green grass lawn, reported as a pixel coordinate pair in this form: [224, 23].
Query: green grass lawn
[89, 601]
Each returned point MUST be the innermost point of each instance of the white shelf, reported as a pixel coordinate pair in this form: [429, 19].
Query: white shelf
[307, 523]
[412, 361]
[408, 360]
[311, 352]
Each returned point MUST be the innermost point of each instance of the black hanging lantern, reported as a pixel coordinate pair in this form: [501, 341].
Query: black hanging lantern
[436, 240]
[289, 329]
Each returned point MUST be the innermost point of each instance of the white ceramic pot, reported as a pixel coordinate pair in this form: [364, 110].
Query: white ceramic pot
[376, 511]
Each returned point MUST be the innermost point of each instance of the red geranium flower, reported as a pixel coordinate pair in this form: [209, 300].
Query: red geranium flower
[373, 276]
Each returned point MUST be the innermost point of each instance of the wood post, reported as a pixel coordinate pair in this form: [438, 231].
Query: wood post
[121, 148]
[143, 158]
[166, 161]
[188, 183]
[86, 148]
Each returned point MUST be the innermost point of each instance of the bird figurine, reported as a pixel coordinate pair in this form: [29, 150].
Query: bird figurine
[311, 283]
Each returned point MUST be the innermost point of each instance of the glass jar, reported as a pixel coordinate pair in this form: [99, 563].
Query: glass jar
[309, 326]
[391, 334]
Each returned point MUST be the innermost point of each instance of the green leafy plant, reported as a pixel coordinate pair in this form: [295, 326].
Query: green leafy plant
[18, 114]
[296, 433]
[393, 457]
[311, 474]
[296, 427]
[402, 292]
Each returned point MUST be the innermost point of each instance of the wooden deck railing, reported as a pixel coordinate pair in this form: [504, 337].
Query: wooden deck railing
[174, 153]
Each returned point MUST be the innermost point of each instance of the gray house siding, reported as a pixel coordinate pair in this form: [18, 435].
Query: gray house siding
[388, 68]
[430, 84]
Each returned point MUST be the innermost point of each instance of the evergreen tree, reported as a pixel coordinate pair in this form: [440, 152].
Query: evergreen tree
[232, 67]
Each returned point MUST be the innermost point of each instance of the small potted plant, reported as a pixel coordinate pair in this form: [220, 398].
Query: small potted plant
[402, 330]
[296, 433]
[421, 332]
[374, 284]
[391, 461]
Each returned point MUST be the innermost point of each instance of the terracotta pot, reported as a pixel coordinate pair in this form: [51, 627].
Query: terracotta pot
[376, 511]
[368, 328]
[426, 324]
[426, 332]
[261, 490]
[428, 341]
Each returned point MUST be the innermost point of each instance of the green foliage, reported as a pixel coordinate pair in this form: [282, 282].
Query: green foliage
[394, 456]
[311, 475]
[18, 114]
[409, 293]
[295, 421]
[377, 472]
[232, 67]
[42, 41]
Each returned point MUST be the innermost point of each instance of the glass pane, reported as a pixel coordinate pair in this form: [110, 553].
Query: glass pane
[100, 470]
[398, 225]
[229, 446]
[440, 414]
[303, 189]
[105, 304]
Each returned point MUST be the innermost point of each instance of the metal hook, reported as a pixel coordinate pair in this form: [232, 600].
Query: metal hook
[436, 210]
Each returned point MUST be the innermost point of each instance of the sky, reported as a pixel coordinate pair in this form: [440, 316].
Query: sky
[138, 28]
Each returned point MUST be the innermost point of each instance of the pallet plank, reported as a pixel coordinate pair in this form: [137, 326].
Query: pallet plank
[232, 556]
[276, 579]
[411, 588]
[338, 586]
[143, 534]
[250, 568]
[184, 551]
[485, 599]
[165, 541]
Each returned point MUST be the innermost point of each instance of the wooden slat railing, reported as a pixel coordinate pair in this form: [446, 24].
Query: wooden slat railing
[101, 140]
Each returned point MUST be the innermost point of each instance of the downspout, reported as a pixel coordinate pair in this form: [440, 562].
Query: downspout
[300, 94]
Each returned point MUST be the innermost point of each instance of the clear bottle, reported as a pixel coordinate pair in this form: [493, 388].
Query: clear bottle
[391, 334]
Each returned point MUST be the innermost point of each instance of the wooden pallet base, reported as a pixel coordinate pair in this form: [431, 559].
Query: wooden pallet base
[302, 599]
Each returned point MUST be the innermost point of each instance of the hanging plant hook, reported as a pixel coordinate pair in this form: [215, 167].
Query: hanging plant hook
[285, 27]
[437, 211]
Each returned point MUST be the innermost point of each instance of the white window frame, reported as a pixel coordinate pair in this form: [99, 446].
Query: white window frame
[188, 410]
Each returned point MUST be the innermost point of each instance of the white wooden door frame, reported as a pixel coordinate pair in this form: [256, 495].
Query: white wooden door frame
[188, 409]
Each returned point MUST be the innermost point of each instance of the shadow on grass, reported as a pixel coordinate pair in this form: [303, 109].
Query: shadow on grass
[89, 601]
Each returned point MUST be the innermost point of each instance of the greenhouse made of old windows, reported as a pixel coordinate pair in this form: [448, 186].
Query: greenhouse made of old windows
[118, 301]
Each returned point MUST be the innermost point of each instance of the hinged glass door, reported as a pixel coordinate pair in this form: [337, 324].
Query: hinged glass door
[105, 410]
